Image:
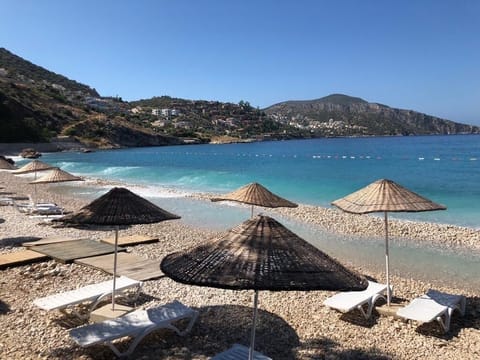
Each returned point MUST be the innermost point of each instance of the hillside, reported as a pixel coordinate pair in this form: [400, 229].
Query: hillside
[341, 115]
[24, 70]
[37, 105]
[210, 119]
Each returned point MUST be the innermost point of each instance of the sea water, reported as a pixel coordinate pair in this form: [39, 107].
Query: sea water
[445, 169]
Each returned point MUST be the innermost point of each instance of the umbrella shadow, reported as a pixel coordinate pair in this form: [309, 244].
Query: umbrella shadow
[324, 348]
[216, 329]
[355, 317]
[458, 322]
[4, 308]
[223, 325]
[16, 241]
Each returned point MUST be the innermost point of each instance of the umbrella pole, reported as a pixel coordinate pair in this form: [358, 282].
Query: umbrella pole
[386, 259]
[35, 190]
[114, 267]
[251, 216]
[252, 339]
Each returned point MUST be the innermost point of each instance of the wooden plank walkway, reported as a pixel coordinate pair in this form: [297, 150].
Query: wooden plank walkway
[68, 251]
[133, 266]
[131, 240]
[22, 257]
[49, 240]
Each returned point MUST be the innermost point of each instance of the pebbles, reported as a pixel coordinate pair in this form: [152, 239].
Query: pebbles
[291, 325]
[334, 220]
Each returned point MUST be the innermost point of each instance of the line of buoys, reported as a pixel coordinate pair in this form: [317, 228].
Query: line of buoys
[351, 157]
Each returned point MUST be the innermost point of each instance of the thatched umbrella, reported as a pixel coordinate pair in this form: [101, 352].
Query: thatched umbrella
[260, 254]
[256, 194]
[6, 165]
[385, 196]
[118, 207]
[34, 166]
[56, 176]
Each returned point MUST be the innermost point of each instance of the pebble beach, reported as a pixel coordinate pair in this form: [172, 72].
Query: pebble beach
[291, 325]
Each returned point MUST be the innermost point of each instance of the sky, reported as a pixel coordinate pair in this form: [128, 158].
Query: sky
[418, 55]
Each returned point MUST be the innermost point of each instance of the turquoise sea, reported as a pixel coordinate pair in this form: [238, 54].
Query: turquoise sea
[445, 169]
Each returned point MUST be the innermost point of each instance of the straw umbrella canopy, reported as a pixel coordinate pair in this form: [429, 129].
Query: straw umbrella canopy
[260, 254]
[34, 166]
[118, 207]
[5, 165]
[256, 194]
[385, 196]
[55, 176]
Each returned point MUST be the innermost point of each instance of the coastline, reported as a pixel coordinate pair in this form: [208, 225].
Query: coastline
[71, 144]
[300, 329]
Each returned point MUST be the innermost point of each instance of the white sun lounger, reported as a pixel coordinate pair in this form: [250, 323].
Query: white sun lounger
[239, 352]
[434, 305]
[39, 209]
[350, 300]
[137, 325]
[92, 294]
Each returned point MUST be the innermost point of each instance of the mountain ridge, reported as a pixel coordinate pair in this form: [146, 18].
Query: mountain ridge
[339, 114]
[37, 105]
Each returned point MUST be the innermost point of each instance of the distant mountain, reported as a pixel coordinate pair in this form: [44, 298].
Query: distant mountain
[342, 115]
[37, 105]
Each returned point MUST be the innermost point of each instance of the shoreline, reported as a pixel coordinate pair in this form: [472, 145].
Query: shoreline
[301, 328]
[333, 220]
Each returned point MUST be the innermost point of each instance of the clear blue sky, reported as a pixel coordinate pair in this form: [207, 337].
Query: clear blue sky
[420, 55]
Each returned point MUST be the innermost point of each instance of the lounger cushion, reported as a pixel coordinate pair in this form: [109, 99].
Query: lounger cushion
[86, 293]
[131, 324]
[430, 306]
[347, 301]
[239, 352]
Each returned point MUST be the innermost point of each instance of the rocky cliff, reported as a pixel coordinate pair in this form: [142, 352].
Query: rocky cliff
[337, 115]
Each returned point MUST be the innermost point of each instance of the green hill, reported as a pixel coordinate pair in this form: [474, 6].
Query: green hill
[24, 70]
[37, 105]
[342, 115]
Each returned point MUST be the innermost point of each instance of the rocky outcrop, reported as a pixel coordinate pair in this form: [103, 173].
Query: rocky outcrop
[344, 115]
[30, 153]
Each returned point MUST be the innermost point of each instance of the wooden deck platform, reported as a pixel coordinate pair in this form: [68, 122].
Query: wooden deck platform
[22, 257]
[68, 251]
[133, 266]
[49, 240]
[131, 240]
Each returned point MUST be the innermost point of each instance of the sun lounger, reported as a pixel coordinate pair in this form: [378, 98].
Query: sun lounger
[239, 352]
[39, 209]
[91, 294]
[136, 324]
[6, 199]
[350, 300]
[434, 305]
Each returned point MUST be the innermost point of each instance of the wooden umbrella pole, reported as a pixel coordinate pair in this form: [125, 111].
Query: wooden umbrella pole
[386, 259]
[35, 190]
[252, 339]
[114, 267]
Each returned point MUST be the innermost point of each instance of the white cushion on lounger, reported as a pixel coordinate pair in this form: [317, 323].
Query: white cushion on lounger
[350, 300]
[136, 324]
[434, 305]
[92, 293]
[239, 352]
